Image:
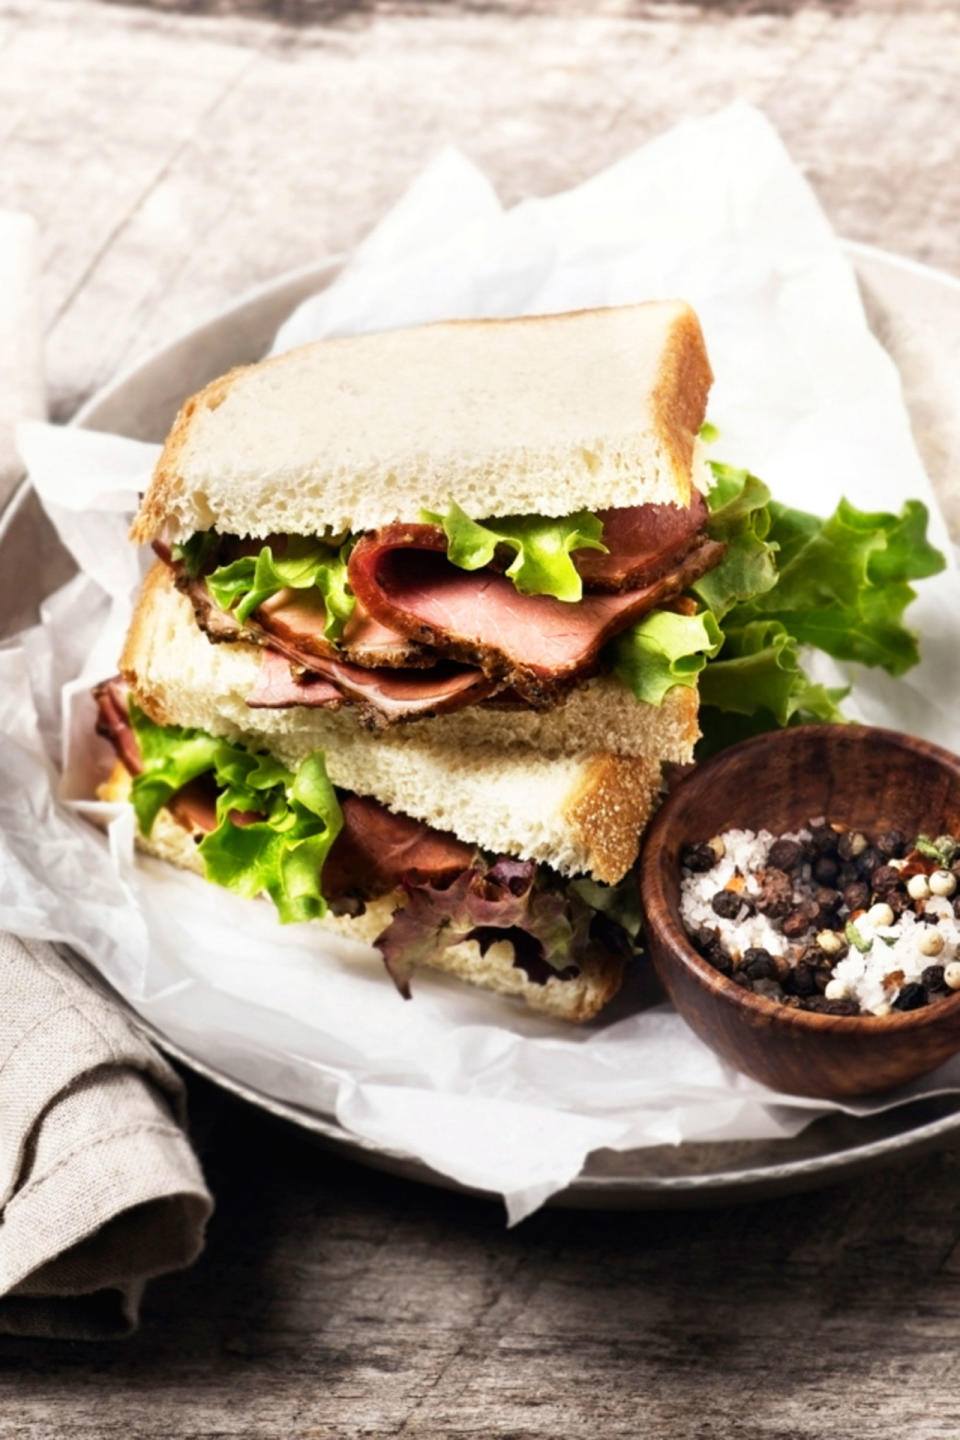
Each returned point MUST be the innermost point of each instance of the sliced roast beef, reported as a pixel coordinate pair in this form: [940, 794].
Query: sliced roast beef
[194, 806]
[643, 542]
[377, 849]
[278, 688]
[113, 722]
[297, 617]
[381, 697]
[414, 607]
[536, 644]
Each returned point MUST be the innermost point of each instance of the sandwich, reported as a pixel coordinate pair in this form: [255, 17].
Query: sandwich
[404, 663]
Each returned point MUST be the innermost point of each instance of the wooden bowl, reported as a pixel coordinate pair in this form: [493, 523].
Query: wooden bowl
[866, 778]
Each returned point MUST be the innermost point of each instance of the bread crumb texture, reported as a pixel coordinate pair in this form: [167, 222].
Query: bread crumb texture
[542, 414]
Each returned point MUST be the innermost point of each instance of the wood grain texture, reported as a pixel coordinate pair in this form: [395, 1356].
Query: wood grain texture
[174, 155]
[336, 1303]
[180, 157]
[867, 779]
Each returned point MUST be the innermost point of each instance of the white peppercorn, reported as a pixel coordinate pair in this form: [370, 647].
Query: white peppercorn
[918, 887]
[930, 941]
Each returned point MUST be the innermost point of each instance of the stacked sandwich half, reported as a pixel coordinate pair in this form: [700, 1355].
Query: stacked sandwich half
[369, 675]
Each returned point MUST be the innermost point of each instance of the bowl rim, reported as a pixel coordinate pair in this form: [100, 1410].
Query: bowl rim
[674, 940]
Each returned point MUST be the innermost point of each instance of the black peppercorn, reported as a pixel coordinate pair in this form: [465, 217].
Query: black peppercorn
[932, 978]
[868, 862]
[698, 858]
[708, 943]
[776, 894]
[892, 844]
[759, 964]
[842, 1007]
[823, 1006]
[825, 869]
[785, 854]
[911, 997]
[828, 903]
[857, 895]
[726, 904]
[823, 839]
[885, 878]
[796, 923]
[803, 979]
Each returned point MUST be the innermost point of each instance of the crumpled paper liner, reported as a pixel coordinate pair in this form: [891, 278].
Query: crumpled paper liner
[478, 1089]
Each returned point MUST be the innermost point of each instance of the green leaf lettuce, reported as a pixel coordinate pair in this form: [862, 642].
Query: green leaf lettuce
[305, 564]
[788, 580]
[542, 546]
[296, 816]
[663, 650]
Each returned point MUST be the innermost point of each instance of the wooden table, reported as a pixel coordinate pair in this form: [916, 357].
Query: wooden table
[176, 155]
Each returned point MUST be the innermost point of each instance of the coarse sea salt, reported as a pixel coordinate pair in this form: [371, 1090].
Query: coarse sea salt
[745, 854]
[894, 951]
[872, 976]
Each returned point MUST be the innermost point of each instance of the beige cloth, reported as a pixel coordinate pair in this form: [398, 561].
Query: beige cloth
[99, 1188]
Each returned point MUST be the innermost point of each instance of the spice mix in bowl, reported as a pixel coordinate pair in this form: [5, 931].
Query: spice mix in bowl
[828, 919]
[799, 892]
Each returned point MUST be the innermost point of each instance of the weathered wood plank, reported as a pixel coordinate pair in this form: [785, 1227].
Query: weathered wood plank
[174, 156]
[335, 1302]
[173, 162]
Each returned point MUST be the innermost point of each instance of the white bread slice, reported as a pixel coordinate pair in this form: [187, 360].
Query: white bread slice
[545, 414]
[576, 1000]
[581, 811]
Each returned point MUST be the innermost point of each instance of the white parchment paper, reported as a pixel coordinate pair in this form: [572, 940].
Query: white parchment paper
[494, 1097]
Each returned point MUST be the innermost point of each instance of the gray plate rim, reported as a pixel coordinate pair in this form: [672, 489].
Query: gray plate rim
[606, 1189]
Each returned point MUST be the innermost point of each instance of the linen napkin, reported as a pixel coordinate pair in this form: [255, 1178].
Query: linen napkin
[99, 1189]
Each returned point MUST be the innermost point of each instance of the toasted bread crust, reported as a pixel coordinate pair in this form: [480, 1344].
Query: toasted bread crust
[609, 809]
[151, 519]
[680, 398]
[614, 425]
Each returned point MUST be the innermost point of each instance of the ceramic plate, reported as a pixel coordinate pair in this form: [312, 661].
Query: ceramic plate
[916, 313]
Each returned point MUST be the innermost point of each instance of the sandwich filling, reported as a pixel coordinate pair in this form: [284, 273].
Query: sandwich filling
[409, 621]
[263, 829]
[414, 620]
